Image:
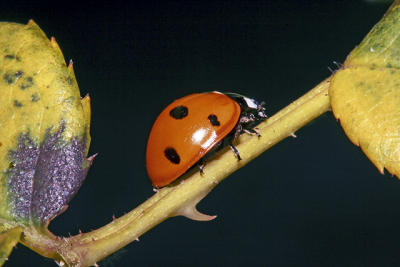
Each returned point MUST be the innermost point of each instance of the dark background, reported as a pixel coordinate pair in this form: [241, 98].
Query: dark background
[311, 201]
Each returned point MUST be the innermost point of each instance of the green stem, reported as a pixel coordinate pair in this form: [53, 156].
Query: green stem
[181, 197]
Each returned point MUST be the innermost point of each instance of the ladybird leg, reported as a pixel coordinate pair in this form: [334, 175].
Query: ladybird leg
[252, 132]
[234, 149]
[238, 131]
[202, 163]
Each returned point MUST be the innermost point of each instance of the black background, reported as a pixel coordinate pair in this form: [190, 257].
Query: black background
[311, 201]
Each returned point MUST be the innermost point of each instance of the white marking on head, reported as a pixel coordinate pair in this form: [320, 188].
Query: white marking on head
[251, 103]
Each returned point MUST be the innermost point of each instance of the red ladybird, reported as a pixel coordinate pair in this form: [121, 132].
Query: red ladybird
[194, 125]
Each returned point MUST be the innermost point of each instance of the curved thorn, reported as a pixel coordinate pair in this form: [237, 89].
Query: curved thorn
[91, 158]
[189, 209]
[192, 213]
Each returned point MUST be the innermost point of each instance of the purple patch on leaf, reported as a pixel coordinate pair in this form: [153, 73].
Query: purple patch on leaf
[21, 173]
[43, 179]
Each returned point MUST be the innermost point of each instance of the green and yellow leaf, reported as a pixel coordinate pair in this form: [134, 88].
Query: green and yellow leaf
[8, 240]
[44, 130]
[365, 93]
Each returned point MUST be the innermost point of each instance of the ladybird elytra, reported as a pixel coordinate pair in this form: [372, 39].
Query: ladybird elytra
[185, 131]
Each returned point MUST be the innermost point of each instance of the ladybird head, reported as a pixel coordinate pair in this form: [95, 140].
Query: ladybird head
[252, 111]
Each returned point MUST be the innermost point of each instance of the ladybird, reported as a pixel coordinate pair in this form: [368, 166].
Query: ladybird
[193, 126]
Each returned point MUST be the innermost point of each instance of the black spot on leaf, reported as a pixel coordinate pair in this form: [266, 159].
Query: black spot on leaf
[179, 112]
[70, 80]
[8, 78]
[18, 74]
[214, 120]
[11, 78]
[9, 57]
[171, 154]
[35, 97]
[28, 82]
[17, 103]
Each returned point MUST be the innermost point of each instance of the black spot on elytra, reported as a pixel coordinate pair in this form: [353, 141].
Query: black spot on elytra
[179, 112]
[172, 155]
[11, 78]
[17, 103]
[214, 120]
[28, 82]
[35, 97]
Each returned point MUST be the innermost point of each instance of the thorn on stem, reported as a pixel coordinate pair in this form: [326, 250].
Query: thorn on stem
[91, 158]
[189, 210]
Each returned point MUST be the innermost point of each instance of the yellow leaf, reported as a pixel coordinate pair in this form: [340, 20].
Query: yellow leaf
[44, 127]
[44, 133]
[365, 93]
[8, 240]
